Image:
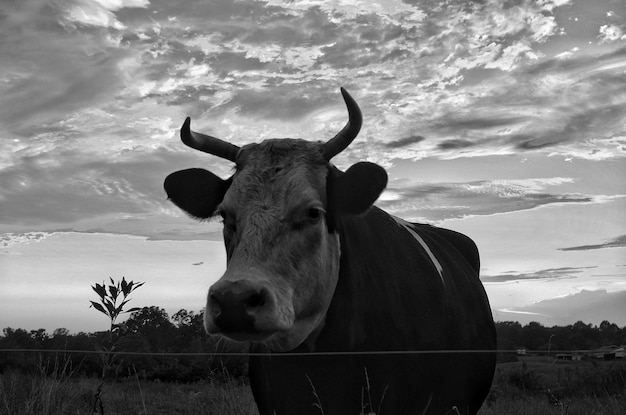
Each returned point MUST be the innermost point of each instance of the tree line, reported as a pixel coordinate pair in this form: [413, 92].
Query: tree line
[151, 330]
[148, 330]
[577, 336]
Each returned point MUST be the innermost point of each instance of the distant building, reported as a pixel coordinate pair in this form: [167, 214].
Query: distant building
[569, 356]
[608, 353]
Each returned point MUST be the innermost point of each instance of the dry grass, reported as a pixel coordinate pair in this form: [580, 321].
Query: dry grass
[539, 385]
[518, 390]
[540, 405]
[59, 391]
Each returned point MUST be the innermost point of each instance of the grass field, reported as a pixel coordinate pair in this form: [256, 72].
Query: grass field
[541, 385]
[532, 386]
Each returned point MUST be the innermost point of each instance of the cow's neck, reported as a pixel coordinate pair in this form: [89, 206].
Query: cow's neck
[378, 268]
[357, 285]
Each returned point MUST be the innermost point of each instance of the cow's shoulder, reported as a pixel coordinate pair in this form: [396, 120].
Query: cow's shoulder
[463, 244]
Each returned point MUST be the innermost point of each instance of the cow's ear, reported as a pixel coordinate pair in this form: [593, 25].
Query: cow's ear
[196, 191]
[355, 190]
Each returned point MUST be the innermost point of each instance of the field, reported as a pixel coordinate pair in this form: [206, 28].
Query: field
[541, 385]
[534, 385]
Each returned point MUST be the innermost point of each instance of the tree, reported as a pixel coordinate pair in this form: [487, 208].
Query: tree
[17, 339]
[535, 336]
[509, 332]
[584, 336]
[609, 332]
[190, 334]
[154, 325]
[40, 337]
[60, 332]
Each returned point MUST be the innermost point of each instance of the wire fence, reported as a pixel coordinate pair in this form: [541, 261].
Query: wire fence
[293, 354]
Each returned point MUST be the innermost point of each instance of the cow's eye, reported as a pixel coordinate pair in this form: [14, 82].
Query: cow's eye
[308, 216]
[227, 219]
[314, 214]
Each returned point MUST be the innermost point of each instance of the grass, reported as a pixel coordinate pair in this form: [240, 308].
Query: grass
[532, 386]
[58, 390]
[540, 405]
[540, 385]
[27, 395]
[46, 392]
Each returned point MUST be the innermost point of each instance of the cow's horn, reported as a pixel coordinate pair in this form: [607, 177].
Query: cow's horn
[343, 139]
[207, 143]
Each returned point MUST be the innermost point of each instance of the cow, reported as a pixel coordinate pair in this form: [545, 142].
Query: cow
[348, 309]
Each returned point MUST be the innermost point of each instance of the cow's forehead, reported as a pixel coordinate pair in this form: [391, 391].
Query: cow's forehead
[276, 169]
[281, 152]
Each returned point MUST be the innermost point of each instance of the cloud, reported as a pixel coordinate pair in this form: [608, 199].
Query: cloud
[436, 202]
[98, 13]
[455, 144]
[618, 242]
[588, 306]
[552, 273]
[287, 102]
[406, 141]
[611, 33]
[414, 67]
[10, 239]
[61, 189]
[88, 85]
[50, 69]
[456, 122]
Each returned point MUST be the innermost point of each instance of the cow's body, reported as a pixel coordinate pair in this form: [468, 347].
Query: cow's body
[375, 315]
[390, 297]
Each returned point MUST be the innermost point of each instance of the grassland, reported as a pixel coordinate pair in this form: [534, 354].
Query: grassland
[542, 385]
[532, 386]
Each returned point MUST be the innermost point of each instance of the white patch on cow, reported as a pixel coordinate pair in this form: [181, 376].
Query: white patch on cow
[421, 241]
[430, 399]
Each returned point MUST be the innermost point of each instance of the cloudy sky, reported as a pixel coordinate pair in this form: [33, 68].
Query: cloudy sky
[505, 120]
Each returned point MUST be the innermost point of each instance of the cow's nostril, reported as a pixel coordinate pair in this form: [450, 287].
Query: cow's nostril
[254, 302]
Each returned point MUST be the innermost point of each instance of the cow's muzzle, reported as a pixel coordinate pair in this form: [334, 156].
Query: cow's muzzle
[243, 310]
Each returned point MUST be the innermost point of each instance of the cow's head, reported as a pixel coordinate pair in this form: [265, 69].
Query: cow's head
[280, 210]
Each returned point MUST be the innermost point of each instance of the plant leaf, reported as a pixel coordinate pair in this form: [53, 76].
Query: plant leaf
[98, 307]
[137, 285]
[113, 290]
[100, 290]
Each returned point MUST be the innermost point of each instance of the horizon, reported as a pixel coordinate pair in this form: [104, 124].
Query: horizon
[125, 316]
[501, 120]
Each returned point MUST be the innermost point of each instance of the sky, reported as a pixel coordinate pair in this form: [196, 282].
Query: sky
[504, 120]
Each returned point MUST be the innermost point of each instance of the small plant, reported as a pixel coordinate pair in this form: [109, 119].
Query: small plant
[108, 305]
[108, 301]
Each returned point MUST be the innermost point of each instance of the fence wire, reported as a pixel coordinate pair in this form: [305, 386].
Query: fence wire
[301, 354]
